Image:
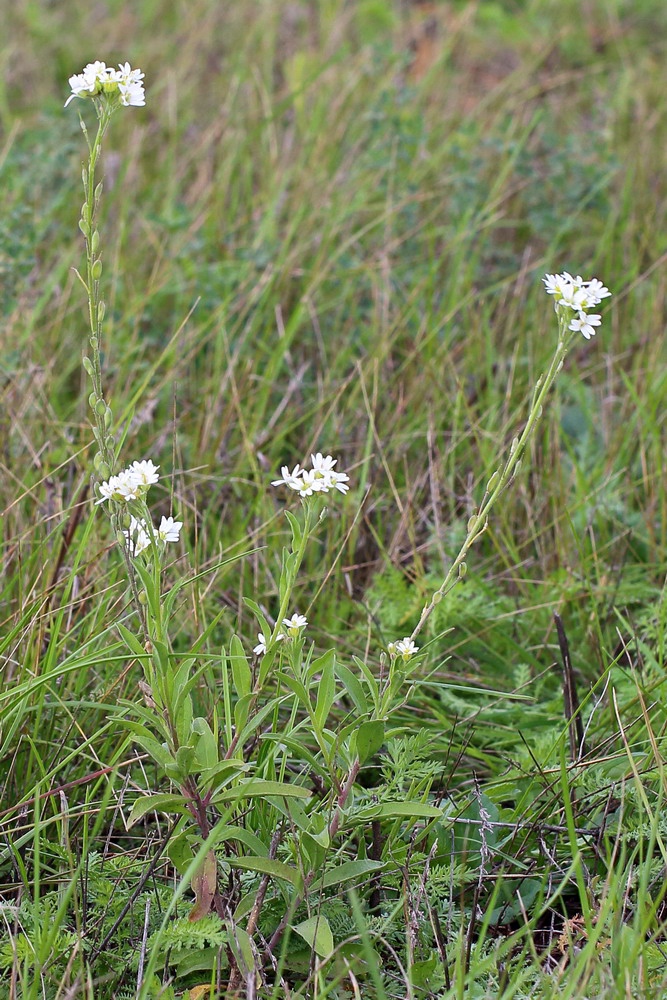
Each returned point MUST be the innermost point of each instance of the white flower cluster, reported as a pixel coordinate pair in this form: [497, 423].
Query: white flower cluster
[319, 479]
[130, 484]
[138, 536]
[98, 78]
[294, 625]
[405, 648]
[577, 296]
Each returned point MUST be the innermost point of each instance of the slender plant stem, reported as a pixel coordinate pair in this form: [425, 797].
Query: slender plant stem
[499, 481]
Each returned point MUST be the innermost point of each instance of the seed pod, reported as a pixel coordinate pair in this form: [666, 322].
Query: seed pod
[95, 241]
[472, 523]
[97, 270]
[463, 569]
[92, 400]
[101, 309]
[84, 227]
[108, 418]
[88, 365]
[437, 597]
[100, 407]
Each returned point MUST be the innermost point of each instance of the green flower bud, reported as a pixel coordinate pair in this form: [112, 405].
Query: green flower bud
[493, 481]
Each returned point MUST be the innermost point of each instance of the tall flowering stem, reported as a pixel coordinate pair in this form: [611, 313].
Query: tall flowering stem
[103, 416]
[573, 297]
[108, 89]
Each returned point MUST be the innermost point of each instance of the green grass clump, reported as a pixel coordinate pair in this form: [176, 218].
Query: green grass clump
[326, 232]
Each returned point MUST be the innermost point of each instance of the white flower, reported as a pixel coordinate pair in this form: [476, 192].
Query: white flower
[169, 529]
[260, 648]
[321, 478]
[98, 78]
[130, 484]
[405, 648]
[138, 539]
[144, 473]
[289, 478]
[338, 480]
[597, 291]
[308, 483]
[585, 324]
[132, 94]
[120, 488]
[321, 463]
[295, 624]
[579, 296]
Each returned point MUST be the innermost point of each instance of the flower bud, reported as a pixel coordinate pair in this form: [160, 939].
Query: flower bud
[493, 481]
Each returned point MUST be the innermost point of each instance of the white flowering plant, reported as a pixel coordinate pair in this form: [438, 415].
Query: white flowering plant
[293, 728]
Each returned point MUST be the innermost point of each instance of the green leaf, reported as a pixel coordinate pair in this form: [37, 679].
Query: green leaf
[370, 737]
[221, 772]
[258, 788]
[206, 749]
[133, 643]
[159, 803]
[343, 873]
[158, 752]
[295, 528]
[264, 626]
[241, 675]
[386, 810]
[316, 932]
[353, 687]
[326, 689]
[267, 866]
